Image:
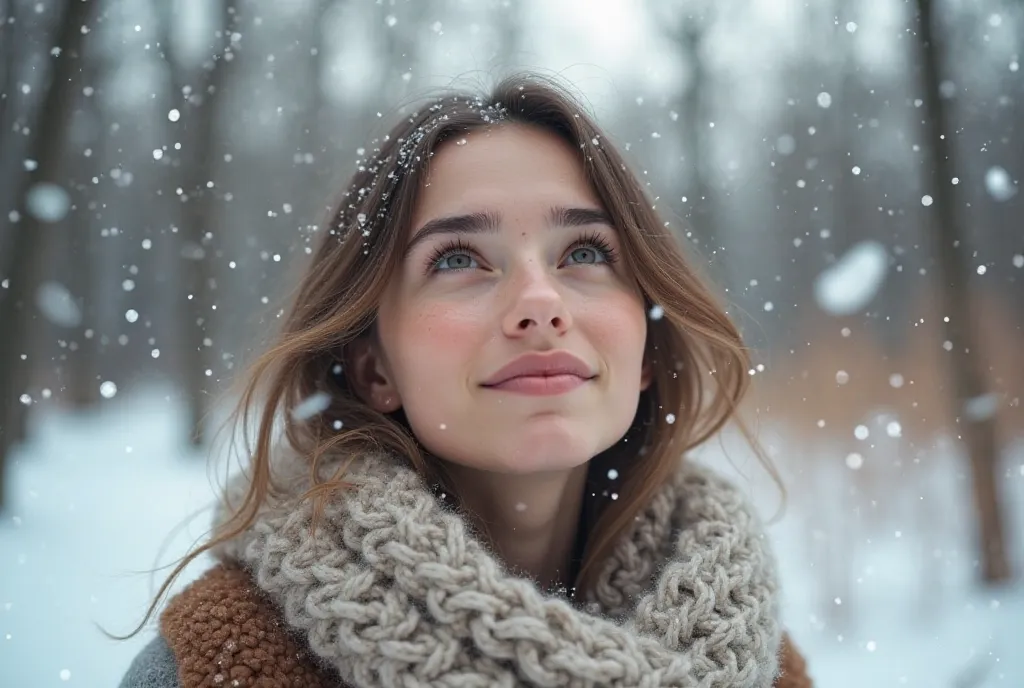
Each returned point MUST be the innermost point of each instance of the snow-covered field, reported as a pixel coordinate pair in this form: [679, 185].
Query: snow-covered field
[94, 499]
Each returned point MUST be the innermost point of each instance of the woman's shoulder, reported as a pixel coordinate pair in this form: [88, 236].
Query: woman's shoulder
[153, 667]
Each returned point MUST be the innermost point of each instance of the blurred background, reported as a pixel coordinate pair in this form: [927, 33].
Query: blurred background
[847, 172]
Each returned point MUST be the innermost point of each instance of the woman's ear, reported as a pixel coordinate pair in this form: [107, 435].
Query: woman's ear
[646, 375]
[370, 376]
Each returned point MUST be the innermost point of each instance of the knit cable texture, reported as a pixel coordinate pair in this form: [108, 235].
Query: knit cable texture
[393, 589]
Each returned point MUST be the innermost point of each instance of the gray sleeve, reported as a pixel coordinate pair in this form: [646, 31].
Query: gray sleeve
[153, 667]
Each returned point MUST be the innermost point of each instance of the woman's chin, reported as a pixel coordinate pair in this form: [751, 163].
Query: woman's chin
[538, 451]
[538, 445]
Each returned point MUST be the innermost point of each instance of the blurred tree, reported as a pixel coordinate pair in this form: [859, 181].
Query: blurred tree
[695, 118]
[509, 18]
[977, 429]
[8, 78]
[199, 93]
[313, 104]
[36, 219]
[79, 260]
[687, 27]
[7, 62]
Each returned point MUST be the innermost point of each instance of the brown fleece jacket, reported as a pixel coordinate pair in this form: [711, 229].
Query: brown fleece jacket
[224, 633]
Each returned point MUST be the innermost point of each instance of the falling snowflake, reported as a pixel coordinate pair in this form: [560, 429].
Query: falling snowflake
[48, 202]
[854, 280]
[313, 405]
[999, 185]
[785, 145]
[982, 407]
[57, 305]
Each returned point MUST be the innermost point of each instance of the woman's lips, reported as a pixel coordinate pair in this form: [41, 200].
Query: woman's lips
[541, 385]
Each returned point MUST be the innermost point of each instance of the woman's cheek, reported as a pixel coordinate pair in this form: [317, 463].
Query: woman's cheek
[617, 324]
[437, 331]
[614, 309]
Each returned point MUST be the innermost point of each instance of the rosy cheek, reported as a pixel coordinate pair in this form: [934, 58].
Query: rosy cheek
[617, 320]
[438, 330]
[615, 308]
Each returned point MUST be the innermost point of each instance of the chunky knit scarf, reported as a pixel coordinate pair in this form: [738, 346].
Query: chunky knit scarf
[394, 589]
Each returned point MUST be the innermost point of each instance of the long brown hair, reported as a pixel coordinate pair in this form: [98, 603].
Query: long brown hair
[699, 362]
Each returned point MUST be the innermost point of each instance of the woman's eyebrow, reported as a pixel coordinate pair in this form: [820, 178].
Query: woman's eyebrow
[560, 216]
[471, 223]
[487, 221]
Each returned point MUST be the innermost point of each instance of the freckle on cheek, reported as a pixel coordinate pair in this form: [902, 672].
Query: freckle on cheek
[445, 325]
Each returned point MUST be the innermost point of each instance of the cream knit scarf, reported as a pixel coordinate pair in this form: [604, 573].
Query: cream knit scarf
[394, 589]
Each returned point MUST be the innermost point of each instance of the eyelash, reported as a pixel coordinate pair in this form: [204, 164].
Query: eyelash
[592, 240]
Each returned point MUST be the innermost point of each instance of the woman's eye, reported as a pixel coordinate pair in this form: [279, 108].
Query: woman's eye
[586, 255]
[455, 261]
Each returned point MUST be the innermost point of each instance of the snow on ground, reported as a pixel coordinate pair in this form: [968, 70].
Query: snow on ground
[93, 500]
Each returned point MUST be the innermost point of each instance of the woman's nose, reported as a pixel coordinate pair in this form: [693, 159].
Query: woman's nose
[536, 306]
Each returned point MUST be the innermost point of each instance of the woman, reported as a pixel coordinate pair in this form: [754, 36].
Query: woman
[486, 383]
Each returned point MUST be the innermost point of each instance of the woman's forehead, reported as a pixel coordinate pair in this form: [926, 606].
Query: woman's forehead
[502, 169]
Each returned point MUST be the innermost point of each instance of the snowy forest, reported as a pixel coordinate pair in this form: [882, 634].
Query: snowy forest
[847, 173]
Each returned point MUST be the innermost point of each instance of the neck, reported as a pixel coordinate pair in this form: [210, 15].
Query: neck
[530, 520]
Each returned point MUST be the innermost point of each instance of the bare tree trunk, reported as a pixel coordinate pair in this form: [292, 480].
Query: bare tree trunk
[199, 120]
[509, 18]
[7, 63]
[81, 368]
[31, 234]
[978, 430]
[694, 106]
[306, 186]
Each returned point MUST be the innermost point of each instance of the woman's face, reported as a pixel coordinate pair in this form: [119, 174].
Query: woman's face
[510, 260]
